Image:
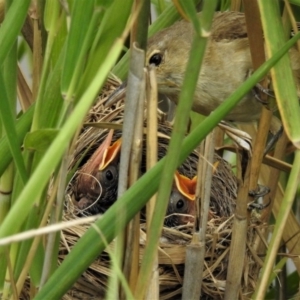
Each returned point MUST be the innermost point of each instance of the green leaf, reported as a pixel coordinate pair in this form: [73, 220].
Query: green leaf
[50, 16]
[282, 74]
[119, 10]
[102, 3]
[191, 12]
[11, 26]
[22, 127]
[60, 38]
[82, 13]
[35, 271]
[53, 59]
[40, 140]
[296, 2]
[196, 119]
[9, 125]
[52, 99]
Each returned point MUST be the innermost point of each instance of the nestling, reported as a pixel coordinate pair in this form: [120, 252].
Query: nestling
[181, 207]
[226, 65]
[97, 181]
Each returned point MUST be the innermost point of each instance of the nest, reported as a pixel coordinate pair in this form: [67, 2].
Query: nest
[93, 282]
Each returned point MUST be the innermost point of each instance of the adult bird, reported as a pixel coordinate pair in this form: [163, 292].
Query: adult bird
[226, 65]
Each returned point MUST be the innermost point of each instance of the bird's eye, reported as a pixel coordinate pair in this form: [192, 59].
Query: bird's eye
[180, 204]
[109, 175]
[155, 59]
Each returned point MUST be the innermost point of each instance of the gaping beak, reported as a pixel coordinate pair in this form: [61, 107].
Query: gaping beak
[186, 186]
[110, 154]
[98, 161]
[102, 156]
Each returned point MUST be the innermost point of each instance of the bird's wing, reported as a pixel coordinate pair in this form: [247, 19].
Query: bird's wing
[229, 25]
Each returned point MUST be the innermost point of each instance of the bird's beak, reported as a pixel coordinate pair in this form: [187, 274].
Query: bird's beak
[110, 153]
[186, 186]
[96, 159]
[94, 163]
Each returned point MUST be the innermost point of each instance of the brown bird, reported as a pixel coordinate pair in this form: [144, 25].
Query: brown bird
[226, 65]
[97, 182]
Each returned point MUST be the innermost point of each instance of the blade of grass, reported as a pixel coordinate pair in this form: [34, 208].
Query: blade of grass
[51, 102]
[11, 26]
[73, 75]
[82, 13]
[187, 9]
[51, 21]
[119, 10]
[22, 127]
[9, 71]
[296, 2]
[8, 123]
[282, 75]
[7, 178]
[24, 92]
[55, 23]
[52, 98]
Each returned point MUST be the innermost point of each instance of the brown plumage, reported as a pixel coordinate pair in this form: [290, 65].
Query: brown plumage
[227, 63]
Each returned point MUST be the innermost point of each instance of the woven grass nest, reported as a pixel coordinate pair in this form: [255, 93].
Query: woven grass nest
[93, 282]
